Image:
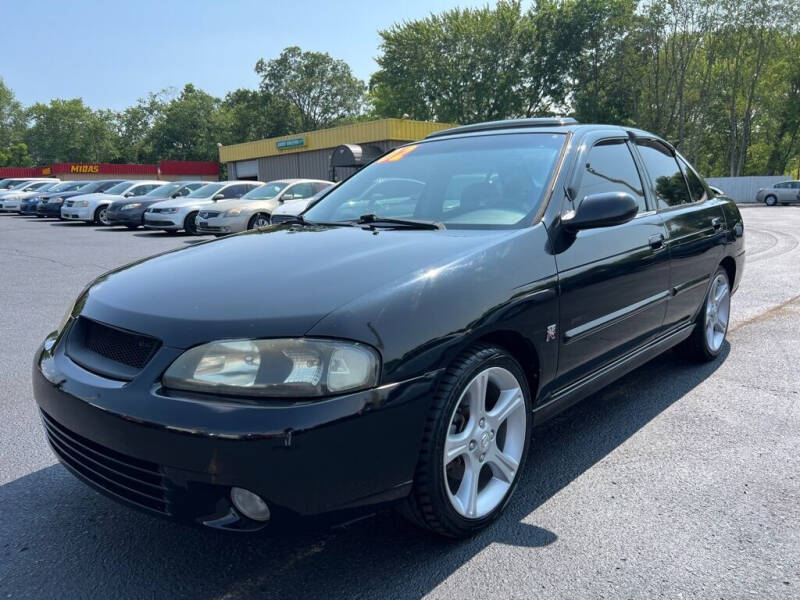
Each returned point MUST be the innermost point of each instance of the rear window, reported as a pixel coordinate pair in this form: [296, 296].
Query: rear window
[487, 181]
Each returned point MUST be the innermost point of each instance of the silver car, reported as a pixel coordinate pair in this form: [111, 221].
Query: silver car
[784, 192]
[288, 211]
[181, 213]
[254, 209]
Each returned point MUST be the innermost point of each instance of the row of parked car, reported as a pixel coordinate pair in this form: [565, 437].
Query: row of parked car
[196, 207]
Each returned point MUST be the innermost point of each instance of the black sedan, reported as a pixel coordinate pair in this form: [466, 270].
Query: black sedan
[50, 204]
[130, 211]
[392, 350]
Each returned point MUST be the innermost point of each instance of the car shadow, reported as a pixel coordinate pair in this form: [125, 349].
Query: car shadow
[61, 539]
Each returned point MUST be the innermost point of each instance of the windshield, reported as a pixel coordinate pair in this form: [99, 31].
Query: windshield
[206, 191]
[119, 188]
[40, 185]
[267, 191]
[470, 182]
[69, 186]
[20, 185]
[164, 191]
[6, 184]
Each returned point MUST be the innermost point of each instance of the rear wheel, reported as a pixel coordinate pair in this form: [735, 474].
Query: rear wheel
[258, 220]
[101, 216]
[711, 325]
[474, 445]
[189, 225]
[771, 200]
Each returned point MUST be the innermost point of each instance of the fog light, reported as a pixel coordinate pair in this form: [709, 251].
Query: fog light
[249, 504]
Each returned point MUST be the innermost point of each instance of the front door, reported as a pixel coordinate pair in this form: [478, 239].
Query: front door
[614, 281]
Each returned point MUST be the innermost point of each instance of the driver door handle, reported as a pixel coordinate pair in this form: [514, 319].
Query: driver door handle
[656, 241]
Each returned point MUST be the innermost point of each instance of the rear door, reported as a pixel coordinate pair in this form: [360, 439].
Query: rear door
[695, 227]
[614, 280]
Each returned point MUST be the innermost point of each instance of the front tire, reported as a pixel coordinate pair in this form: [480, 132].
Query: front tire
[100, 216]
[189, 225]
[771, 201]
[474, 445]
[711, 325]
[258, 220]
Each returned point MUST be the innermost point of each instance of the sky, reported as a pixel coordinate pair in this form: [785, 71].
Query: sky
[114, 52]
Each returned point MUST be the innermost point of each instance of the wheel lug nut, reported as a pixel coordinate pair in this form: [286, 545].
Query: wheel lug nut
[482, 456]
[491, 434]
[482, 422]
[472, 445]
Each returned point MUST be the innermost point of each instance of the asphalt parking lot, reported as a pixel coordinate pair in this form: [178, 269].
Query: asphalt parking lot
[678, 481]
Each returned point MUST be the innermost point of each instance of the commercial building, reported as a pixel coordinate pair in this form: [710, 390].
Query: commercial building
[168, 170]
[314, 154]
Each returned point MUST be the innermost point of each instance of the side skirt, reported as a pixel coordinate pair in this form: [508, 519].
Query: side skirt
[569, 395]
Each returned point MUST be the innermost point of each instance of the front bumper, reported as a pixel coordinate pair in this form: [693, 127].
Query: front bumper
[178, 454]
[166, 221]
[49, 210]
[77, 213]
[221, 225]
[125, 217]
[9, 206]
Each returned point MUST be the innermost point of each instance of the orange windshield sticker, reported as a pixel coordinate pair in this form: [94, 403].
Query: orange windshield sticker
[398, 154]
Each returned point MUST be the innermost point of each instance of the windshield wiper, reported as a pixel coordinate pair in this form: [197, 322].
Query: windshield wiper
[299, 220]
[376, 221]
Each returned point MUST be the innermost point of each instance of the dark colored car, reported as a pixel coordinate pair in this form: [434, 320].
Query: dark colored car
[29, 205]
[392, 349]
[130, 211]
[50, 204]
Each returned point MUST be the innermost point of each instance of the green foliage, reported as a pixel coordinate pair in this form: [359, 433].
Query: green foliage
[320, 89]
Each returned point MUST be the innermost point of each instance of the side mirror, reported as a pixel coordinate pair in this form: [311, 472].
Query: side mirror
[218, 197]
[602, 210]
[127, 194]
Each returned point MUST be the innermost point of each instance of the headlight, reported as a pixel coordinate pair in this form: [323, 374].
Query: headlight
[275, 368]
[233, 212]
[131, 206]
[82, 203]
[168, 210]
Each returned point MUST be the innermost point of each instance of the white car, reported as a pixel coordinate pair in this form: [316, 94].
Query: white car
[10, 199]
[287, 211]
[10, 182]
[181, 213]
[92, 208]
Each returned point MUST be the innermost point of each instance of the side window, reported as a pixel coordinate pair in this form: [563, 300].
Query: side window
[107, 186]
[318, 187]
[610, 168]
[796, 185]
[234, 191]
[666, 178]
[301, 190]
[696, 188]
[780, 186]
[143, 189]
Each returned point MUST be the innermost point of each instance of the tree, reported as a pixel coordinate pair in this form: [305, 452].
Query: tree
[188, 128]
[257, 114]
[70, 131]
[321, 89]
[15, 155]
[12, 117]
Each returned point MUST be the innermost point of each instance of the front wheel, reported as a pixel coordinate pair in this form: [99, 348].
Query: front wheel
[711, 325]
[258, 220]
[101, 216]
[474, 445]
[190, 225]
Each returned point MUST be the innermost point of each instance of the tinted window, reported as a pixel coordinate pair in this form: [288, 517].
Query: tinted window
[507, 174]
[666, 178]
[796, 185]
[235, 191]
[610, 168]
[164, 191]
[696, 188]
[141, 190]
[780, 186]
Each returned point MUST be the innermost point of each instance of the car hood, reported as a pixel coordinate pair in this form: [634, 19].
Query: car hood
[184, 202]
[97, 196]
[275, 282]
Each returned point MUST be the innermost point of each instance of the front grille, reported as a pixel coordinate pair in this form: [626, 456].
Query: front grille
[156, 223]
[121, 346]
[208, 228]
[208, 214]
[70, 203]
[137, 481]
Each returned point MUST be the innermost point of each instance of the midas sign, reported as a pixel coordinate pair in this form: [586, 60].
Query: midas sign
[84, 168]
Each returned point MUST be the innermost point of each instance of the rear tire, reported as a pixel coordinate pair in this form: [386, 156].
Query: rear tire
[469, 440]
[771, 201]
[711, 324]
[189, 225]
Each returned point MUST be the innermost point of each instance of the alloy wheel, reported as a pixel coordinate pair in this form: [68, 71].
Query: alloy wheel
[718, 308]
[102, 216]
[485, 441]
[262, 221]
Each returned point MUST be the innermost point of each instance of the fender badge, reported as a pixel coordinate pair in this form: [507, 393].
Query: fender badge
[551, 333]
